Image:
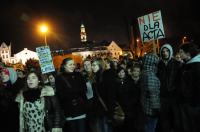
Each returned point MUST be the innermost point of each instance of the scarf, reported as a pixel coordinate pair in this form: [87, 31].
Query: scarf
[32, 95]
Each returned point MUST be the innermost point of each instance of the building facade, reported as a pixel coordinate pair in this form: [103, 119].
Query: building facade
[5, 52]
[25, 55]
[83, 34]
[22, 56]
[110, 49]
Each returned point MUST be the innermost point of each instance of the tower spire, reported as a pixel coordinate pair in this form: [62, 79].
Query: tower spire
[83, 34]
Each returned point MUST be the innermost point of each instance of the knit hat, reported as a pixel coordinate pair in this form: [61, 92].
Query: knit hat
[12, 74]
[5, 71]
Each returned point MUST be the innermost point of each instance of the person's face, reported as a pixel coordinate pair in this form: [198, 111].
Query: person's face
[115, 62]
[136, 72]
[183, 55]
[51, 79]
[45, 78]
[123, 65]
[107, 65]
[87, 66]
[69, 66]
[165, 53]
[95, 67]
[4, 77]
[121, 74]
[32, 81]
[129, 71]
[178, 57]
[20, 74]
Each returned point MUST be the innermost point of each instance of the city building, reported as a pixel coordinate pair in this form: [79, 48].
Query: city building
[5, 53]
[83, 34]
[22, 56]
[103, 49]
[25, 55]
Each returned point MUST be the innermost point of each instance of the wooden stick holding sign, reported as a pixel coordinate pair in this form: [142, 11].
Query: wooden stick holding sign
[154, 47]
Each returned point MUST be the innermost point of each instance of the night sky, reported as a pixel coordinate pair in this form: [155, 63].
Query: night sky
[104, 20]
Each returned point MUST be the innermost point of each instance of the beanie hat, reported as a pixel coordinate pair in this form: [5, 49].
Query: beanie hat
[11, 73]
[5, 71]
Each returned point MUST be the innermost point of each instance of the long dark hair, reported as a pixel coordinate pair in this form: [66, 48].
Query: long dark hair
[62, 67]
[39, 75]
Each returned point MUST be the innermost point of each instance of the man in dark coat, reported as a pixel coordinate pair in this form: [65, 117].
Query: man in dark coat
[168, 69]
[190, 88]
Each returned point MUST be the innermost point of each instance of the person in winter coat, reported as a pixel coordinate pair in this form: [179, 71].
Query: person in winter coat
[8, 106]
[39, 108]
[125, 94]
[71, 92]
[150, 95]
[190, 88]
[168, 69]
[139, 120]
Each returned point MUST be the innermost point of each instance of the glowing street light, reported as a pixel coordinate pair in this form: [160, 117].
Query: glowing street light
[44, 29]
[183, 40]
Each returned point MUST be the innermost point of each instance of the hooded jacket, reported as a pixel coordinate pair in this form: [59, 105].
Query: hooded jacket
[167, 73]
[190, 88]
[150, 85]
[169, 47]
[8, 107]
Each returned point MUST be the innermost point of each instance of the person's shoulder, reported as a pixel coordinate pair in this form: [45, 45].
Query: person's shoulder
[59, 75]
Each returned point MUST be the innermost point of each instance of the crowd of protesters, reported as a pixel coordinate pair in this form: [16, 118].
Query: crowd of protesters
[157, 93]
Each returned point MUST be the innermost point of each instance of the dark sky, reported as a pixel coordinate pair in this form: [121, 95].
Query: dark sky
[104, 20]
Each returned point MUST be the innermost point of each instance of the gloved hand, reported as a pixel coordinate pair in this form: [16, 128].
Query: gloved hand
[56, 129]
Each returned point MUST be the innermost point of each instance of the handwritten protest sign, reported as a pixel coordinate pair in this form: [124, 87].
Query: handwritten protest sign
[45, 59]
[151, 26]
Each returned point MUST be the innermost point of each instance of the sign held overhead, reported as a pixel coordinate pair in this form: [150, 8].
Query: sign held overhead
[151, 26]
[45, 59]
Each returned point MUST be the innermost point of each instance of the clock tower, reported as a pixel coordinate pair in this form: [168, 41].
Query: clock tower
[83, 34]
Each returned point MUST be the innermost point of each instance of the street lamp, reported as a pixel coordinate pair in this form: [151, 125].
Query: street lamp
[183, 40]
[44, 30]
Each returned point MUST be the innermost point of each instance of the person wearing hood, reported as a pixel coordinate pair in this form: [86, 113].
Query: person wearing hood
[150, 94]
[8, 106]
[168, 68]
[190, 88]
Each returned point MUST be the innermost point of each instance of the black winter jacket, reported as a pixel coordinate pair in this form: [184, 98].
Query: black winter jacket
[71, 94]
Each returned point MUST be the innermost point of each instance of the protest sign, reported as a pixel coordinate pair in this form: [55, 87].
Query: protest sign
[45, 59]
[151, 26]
